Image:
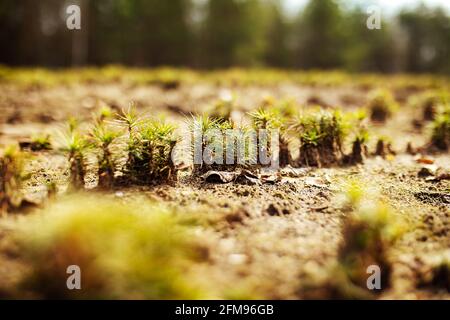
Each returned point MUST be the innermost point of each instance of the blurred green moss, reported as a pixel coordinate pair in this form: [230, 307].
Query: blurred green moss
[125, 251]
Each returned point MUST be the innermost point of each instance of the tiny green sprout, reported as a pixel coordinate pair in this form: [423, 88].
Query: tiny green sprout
[105, 113]
[262, 118]
[129, 118]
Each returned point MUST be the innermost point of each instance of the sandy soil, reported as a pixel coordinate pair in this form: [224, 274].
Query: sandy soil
[274, 240]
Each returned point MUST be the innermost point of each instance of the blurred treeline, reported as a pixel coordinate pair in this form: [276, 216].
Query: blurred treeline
[326, 34]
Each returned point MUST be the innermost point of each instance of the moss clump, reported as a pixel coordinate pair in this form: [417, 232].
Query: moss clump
[381, 105]
[124, 251]
[321, 137]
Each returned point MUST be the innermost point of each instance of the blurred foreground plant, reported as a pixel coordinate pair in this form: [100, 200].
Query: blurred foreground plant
[369, 230]
[12, 175]
[124, 250]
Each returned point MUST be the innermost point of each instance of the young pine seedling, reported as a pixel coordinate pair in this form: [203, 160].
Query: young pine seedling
[130, 120]
[75, 146]
[159, 142]
[104, 137]
[272, 118]
[207, 146]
